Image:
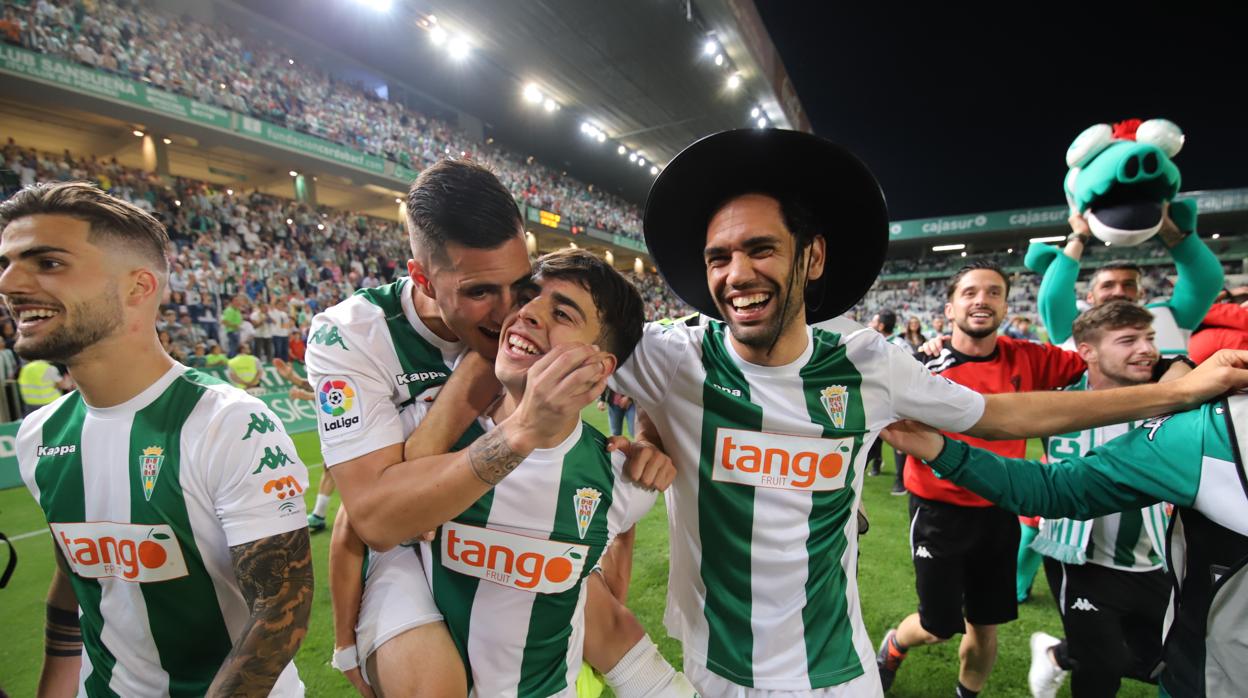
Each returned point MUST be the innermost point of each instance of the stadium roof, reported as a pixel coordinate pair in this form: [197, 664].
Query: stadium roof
[635, 70]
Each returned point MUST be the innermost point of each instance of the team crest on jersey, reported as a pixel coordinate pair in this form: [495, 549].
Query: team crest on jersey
[149, 467]
[587, 500]
[835, 399]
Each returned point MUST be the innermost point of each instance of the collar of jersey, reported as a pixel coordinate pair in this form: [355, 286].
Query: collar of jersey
[143, 399]
[409, 312]
[556, 453]
[967, 358]
[747, 366]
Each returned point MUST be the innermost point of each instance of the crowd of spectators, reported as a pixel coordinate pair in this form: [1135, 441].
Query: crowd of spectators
[216, 65]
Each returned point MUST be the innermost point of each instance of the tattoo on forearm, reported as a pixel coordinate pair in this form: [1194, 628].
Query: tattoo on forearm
[491, 458]
[275, 575]
[62, 633]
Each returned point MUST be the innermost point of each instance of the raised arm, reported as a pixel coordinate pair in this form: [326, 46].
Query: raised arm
[1024, 415]
[62, 649]
[1200, 274]
[275, 575]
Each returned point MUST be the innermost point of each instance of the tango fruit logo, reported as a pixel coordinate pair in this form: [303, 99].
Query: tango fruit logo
[760, 459]
[135, 553]
[339, 406]
[520, 562]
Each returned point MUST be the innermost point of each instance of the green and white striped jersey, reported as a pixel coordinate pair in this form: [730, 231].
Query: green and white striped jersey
[1193, 459]
[763, 582]
[145, 500]
[373, 365]
[1132, 541]
[507, 573]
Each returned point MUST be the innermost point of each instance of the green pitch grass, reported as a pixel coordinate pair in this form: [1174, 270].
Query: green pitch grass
[886, 583]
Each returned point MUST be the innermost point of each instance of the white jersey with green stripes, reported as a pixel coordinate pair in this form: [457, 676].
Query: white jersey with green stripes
[145, 500]
[1131, 541]
[763, 582]
[507, 573]
[372, 362]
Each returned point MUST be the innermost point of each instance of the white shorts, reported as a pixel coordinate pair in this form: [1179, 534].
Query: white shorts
[708, 683]
[396, 599]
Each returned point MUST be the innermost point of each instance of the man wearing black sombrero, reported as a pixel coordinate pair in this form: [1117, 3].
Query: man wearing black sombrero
[769, 420]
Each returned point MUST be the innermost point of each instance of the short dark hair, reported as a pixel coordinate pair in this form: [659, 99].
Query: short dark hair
[111, 220]
[1114, 315]
[617, 301]
[888, 320]
[459, 201]
[1116, 265]
[973, 266]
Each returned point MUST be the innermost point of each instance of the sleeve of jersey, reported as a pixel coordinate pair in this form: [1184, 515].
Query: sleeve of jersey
[1058, 368]
[637, 500]
[647, 375]
[1055, 300]
[255, 477]
[1158, 461]
[914, 393]
[354, 411]
[1199, 280]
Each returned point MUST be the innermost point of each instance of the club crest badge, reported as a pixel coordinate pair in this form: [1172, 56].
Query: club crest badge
[835, 399]
[149, 468]
[587, 500]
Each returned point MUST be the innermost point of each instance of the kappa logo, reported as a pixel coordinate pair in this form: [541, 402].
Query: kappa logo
[731, 391]
[327, 335]
[1082, 604]
[782, 461]
[260, 424]
[511, 560]
[274, 457]
[135, 553]
[50, 451]
[921, 551]
[149, 468]
[418, 377]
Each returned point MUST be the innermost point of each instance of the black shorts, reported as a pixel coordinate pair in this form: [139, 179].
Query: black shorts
[965, 561]
[1113, 621]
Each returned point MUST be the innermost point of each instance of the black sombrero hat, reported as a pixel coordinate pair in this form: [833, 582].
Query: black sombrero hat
[835, 186]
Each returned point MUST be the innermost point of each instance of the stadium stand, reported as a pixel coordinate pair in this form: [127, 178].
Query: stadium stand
[214, 66]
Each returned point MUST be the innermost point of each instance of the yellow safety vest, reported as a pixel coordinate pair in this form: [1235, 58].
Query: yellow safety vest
[36, 389]
[245, 366]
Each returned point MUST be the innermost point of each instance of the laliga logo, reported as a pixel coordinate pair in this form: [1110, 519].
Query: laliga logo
[520, 562]
[135, 553]
[781, 461]
[337, 398]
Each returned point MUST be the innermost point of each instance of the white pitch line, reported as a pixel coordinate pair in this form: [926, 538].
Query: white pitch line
[32, 534]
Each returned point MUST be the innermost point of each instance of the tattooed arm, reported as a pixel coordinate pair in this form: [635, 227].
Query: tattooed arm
[275, 575]
[62, 658]
[392, 499]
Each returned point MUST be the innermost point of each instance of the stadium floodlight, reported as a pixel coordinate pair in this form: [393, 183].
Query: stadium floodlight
[1010, 251]
[167, 141]
[641, 162]
[1215, 236]
[437, 35]
[550, 105]
[621, 150]
[320, 226]
[654, 170]
[294, 174]
[137, 132]
[710, 47]
[291, 61]
[177, 202]
[1051, 238]
[229, 192]
[734, 81]
[632, 157]
[458, 48]
[533, 94]
[963, 253]
[948, 248]
[602, 137]
[378, 5]
[755, 112]
[719, 59]
[762, 122]
[290, 221]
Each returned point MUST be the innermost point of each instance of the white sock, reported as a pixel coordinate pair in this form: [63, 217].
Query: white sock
[322, 505]
[643, 673]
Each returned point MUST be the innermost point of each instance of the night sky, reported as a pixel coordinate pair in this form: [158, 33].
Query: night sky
[966, 113]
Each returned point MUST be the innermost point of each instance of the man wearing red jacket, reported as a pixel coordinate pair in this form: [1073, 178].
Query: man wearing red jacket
[1225, 326]
[964, 548]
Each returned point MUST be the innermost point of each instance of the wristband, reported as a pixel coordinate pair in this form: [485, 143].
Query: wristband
[346, 659]
[1082, 237]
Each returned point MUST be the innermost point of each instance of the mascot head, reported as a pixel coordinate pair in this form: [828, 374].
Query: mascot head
[1121, 175]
